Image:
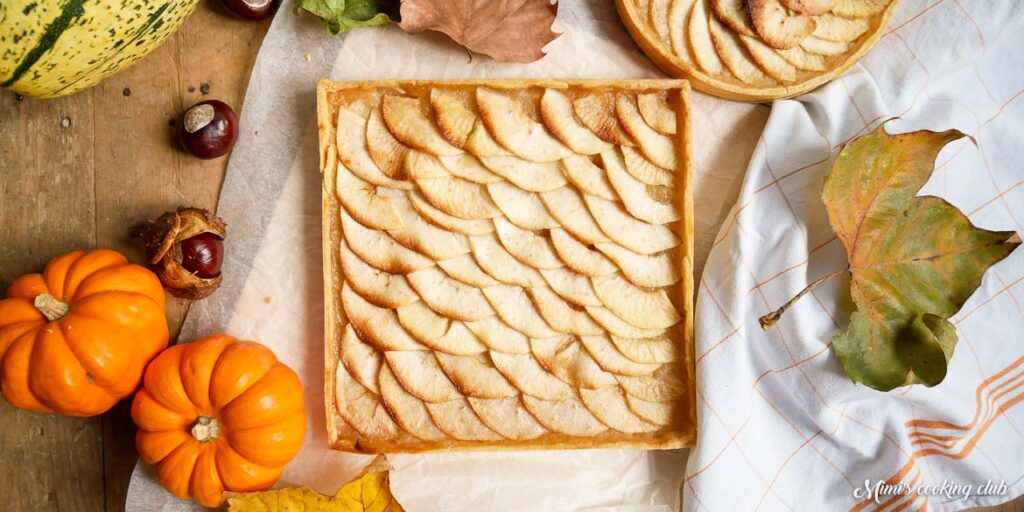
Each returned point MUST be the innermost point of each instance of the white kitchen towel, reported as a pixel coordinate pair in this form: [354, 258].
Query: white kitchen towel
[781, 426]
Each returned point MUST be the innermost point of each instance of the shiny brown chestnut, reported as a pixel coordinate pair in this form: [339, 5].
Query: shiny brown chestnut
[202, 255]
[186, 249]
[209, 129]
[254, 10]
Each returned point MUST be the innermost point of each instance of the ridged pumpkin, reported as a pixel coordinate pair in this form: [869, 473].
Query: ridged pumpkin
[50, 48]
[76, 338]
[218, 415]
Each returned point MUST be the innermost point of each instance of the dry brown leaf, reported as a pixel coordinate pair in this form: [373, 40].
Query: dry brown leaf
[507, 30]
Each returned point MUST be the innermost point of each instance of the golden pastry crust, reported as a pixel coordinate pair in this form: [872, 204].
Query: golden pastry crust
[507, 265]
[756, 50]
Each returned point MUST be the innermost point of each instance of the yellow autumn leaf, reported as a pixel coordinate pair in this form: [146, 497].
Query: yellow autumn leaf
[369, 492]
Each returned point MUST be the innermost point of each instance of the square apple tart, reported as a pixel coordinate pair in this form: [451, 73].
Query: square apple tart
[507, 264]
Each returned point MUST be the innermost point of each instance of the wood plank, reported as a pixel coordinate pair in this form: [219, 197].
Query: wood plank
[46, 208]
[141, 172]
[112, 164]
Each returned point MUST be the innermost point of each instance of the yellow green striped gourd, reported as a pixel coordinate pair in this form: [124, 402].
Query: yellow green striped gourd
[51, 48]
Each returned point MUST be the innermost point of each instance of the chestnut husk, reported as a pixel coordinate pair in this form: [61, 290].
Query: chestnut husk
[162, 238]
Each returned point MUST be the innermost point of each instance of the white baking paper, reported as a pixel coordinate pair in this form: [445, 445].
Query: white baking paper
[272, 290]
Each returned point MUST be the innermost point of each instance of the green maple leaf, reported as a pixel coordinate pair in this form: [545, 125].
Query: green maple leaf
[914, 261]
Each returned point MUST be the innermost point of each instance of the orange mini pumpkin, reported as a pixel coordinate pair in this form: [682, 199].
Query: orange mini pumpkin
[76, 338]
[218, 415]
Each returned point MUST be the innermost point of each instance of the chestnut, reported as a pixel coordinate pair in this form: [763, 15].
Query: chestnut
[209, 129]
[186, 250]
[202, 255]
[254, 10]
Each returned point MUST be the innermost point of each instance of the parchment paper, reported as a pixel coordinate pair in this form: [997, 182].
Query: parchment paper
[272, 290]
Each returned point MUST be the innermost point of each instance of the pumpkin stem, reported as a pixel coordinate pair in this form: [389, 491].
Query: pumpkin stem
[205, 429]
[50, 307]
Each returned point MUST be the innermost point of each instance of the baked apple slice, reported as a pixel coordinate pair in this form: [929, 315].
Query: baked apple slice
[441, 334]
[527, 246]
[409, 412]
[449, 297]
[641, 308]
[420, 374]
[571, 286]
[514, 130]
[609, 405]
[508, 417]
[523, 371]
[776, 27]
[412, 127]
[568, 416]
[629, 232]
[476, 377]
[516, 310]
[556, 111]
[578, 256]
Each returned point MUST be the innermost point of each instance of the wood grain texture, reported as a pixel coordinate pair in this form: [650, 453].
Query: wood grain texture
[78, 173]
[47, 206]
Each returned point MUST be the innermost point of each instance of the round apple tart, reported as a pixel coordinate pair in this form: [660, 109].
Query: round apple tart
[755, 50]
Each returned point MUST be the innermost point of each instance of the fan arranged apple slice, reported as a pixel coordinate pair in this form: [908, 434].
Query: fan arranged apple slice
[519, 134]
[556, 110]
[381, 288]
[407, 122]
[587, 176]
[528, 376]
[476, 376]
[441, 334]
[561, 316]
[421, 375]
[353, 151]
[753, 50]
[508, 417]
[465, 268]
[569, 416]
[377, 326]
[409, 412]
[379, 250]
[360, 406]
[566, 359]
[610, 406]
[361, 360]
[578, 256]
[521, 207]
[571, 286]
[457, 419]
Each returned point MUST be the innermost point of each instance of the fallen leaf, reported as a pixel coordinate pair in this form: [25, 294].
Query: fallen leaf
[368, 492]
[507, 30]
[342, 15]
[914, 261]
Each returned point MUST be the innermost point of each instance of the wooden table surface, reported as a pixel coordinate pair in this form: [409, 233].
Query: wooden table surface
[80, 172]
